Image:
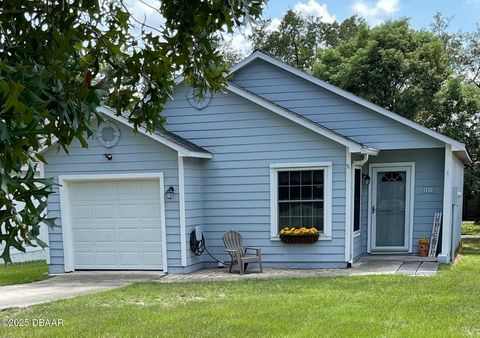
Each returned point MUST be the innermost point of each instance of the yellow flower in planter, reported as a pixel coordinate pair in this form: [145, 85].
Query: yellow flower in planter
[423, 241]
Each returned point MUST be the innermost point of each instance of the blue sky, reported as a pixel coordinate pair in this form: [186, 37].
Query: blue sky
[465, 12]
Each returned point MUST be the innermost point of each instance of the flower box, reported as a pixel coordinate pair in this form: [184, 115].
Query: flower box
[301, 235]
[300, 239]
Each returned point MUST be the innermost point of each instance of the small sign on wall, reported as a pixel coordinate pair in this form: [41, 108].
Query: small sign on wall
[428, 190]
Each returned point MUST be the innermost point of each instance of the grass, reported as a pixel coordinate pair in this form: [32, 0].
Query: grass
[19, 273]
[471, 228]
[445, 305]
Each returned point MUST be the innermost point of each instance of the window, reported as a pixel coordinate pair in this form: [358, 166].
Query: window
[357, 192]
[300, 198]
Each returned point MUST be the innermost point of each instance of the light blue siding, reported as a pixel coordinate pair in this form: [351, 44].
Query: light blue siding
[135, 153]
[329, 109]
[245, 139]
[193, 206]
[429, 166]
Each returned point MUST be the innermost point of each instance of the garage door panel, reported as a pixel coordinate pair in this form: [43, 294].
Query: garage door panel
[128, 212]
[150, 246]
[127, 235]
[150, 258]
[116, 224]
[81, 212]
[104, 235]
[104, 211]
[151, 235]
[107, 258]
[85, 258]
[83, 235]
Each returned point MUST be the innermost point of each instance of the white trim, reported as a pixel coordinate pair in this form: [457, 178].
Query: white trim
[63, 180]
[409, 167]
[181, 202]
[327, 198]
[457, 146]
[348, 208]
[352, 145]
[358, 232]
[445, 255]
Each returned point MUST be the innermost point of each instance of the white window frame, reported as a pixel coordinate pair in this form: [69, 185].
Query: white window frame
[326, 234]
[357, 233]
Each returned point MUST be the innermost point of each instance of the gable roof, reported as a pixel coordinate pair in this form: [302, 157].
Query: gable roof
[183, 146]
[354, 146]
[457, 146]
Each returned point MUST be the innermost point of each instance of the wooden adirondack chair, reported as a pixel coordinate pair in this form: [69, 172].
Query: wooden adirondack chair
[238, 252]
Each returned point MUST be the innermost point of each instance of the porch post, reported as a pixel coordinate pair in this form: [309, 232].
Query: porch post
[348, 207]
[444, 256]
[181, 207]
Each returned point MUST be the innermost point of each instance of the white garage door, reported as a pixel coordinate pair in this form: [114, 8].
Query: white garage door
[116, 224]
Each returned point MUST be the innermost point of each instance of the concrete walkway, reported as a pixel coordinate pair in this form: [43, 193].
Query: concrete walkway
[70, 285]
[470, 236]
[362, 268]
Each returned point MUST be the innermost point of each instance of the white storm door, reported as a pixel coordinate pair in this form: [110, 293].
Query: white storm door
[391, 208]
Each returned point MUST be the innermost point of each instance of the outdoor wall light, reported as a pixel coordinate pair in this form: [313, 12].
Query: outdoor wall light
[169, 193]
[366, 179]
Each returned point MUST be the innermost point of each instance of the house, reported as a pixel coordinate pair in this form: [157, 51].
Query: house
[277, 148]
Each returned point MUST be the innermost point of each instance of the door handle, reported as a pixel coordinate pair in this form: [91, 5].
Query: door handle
[373, 209]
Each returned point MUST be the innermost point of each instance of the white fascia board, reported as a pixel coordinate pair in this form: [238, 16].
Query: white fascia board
[456, 145]
[353, 146]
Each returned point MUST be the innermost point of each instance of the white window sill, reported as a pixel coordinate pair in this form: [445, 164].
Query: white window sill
[356, 234]
[321, 238]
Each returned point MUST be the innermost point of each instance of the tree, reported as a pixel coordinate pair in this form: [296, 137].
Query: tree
[463, 48]
[59, 60]
[298, 38]
[391, 65]
[455, 112]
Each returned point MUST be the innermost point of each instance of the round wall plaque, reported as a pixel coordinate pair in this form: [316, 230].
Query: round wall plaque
[108, 134]
[197, 102]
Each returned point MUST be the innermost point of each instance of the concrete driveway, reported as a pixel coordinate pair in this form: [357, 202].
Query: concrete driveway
[70, 285]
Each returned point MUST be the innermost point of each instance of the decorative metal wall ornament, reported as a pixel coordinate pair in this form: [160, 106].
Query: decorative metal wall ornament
[392, 177]
[108, 134]
[197, 101]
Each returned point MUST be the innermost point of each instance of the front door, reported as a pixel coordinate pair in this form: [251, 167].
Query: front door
[391, 208]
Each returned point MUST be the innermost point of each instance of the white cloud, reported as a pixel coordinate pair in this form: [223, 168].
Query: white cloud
[313, 8]
[376, 12]
[239, 40]
[146, 11]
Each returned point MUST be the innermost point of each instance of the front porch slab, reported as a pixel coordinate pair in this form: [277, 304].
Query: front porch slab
[361, 268]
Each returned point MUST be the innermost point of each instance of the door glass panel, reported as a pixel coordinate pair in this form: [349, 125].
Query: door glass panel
[390, 209]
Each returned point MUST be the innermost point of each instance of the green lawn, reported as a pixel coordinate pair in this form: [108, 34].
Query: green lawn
[446, 305]
[23, 272]
[470, 228]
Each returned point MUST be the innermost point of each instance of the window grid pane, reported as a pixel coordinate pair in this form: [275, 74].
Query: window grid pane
[300, 201]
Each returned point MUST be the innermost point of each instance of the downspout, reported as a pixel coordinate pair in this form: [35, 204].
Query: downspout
[362, 161]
